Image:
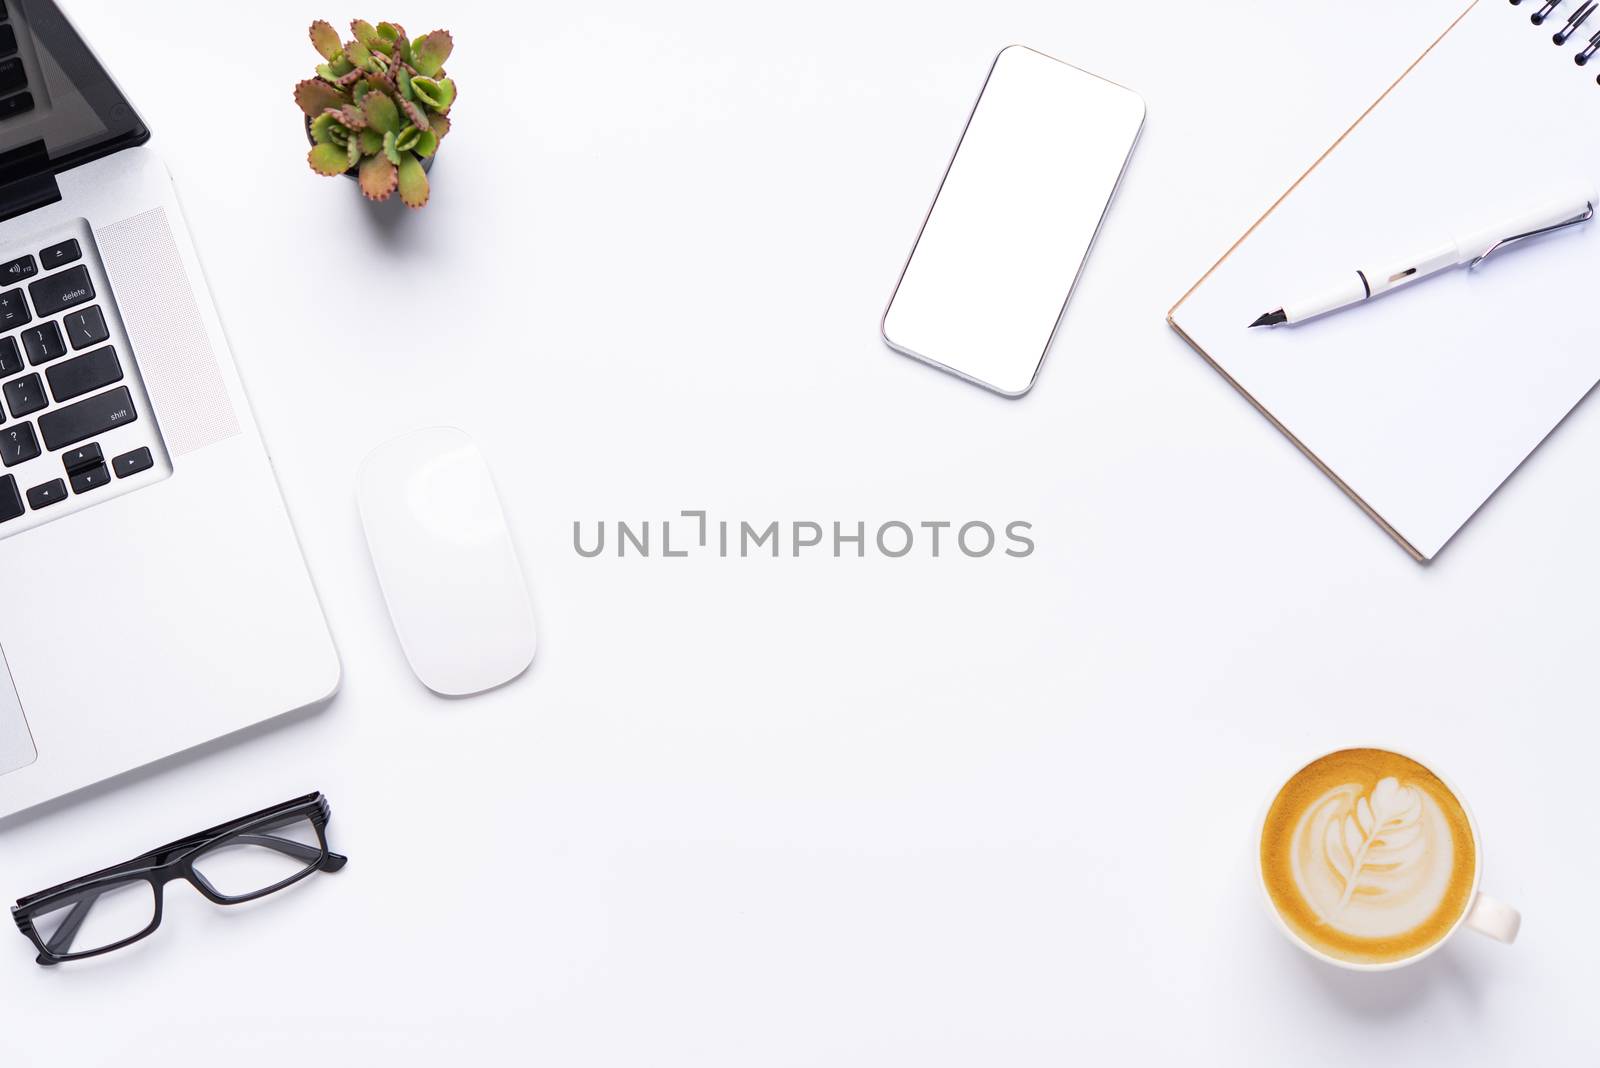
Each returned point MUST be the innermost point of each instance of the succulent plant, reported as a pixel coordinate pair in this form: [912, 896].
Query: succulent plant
[379, 105]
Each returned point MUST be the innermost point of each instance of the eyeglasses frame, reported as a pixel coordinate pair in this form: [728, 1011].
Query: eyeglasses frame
[174, 861]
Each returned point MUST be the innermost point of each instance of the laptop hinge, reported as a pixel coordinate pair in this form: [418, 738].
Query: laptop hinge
[26, 182]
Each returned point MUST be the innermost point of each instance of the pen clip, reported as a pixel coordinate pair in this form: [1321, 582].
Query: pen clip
[1588, 213]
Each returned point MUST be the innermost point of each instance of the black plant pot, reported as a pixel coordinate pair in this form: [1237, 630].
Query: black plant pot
[427, 161]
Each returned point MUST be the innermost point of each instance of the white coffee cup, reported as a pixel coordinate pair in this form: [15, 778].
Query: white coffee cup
[1485, 914]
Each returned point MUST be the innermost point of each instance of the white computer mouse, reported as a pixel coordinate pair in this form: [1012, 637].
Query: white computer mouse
[445, 560]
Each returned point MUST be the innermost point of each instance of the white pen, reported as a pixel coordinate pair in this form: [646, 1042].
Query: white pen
[1467, 249]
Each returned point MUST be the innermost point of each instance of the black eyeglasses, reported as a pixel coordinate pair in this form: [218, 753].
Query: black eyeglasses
[239, 861]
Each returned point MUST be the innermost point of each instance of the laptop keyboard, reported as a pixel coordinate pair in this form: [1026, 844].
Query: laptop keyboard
[75, 424]
[14, 96]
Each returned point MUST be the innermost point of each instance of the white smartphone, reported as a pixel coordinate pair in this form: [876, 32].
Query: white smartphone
[994, 265]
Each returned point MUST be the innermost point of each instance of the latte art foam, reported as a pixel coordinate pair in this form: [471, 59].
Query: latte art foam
[1373, 864]
[1368, 856]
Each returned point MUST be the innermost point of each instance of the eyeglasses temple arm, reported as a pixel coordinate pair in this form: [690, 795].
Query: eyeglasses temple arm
[297, 850]
[61, 941]
[287, 846]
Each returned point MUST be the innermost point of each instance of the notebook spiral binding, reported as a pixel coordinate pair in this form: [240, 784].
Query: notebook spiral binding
[1547, 8]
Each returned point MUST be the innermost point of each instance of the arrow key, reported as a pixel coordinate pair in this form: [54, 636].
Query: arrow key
[46, 494]
[75, 460]
[130, 463]
[90, 478]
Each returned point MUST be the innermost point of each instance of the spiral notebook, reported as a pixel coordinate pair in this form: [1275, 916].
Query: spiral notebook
[1420, 404]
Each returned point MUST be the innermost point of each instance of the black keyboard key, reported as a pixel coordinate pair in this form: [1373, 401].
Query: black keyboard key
[84, 374]
[60, 254]
[86, 327]
[87, 418]
[10, 499]
[90, 478]
[18, 269]
[12, 75]
[47, 493]
[10, 356]
[25, 395]
[17, 444]
[20, 104]
[43, 343]
[59, 291]
[8, 41]
[81, 457]
[13, 310]
[131, 463]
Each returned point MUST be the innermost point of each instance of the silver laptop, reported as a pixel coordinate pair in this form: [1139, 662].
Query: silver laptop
[154, 594]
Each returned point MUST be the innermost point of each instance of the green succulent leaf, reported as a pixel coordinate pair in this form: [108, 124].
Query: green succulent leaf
[371, 142]
[322, 128]
[359, 90]
[438, 94]
[392, 38]
[390, 149]
[380, 79]
[377, 177]
[352, 152]
[314, 96]
[364, 32]
[429, 52]
[358, 54]
[340, 72]
[382, 115]
[328, 159]
[333, 127]
[402, 78]
[325, 40]
[427, 143]
[439, 124]
[413, 182]
[418, 117]
[406, 139]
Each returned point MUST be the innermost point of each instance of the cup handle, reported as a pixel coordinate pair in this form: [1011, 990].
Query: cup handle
[1495, 918]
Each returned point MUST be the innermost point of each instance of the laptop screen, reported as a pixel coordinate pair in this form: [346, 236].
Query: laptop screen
[58, 107]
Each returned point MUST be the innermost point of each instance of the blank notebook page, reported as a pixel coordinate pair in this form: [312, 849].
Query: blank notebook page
[1422, 401]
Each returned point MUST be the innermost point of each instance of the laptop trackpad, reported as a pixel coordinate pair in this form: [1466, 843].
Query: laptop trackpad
[16, 743]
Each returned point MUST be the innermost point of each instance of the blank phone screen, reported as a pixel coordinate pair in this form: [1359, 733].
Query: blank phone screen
[1006, 238]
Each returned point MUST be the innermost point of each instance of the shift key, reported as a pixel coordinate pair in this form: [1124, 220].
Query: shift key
[87, 418]
[61, 290]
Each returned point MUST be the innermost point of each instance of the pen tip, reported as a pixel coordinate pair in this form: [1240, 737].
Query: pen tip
[1271, 318]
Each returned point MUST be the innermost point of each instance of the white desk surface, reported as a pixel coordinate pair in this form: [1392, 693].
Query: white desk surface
[780, 812]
